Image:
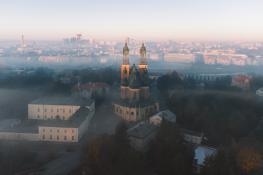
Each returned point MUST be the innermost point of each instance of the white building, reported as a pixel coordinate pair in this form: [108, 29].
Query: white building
[192, 137]
[178, 57]
[68, 130]
[55, 108]
[72, 121]
[200, 155]
[166, 115]
[259, 92]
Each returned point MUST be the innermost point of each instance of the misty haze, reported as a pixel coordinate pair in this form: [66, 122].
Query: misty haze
[131, 87]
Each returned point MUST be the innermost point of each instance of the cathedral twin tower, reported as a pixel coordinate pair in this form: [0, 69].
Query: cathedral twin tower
[135, 103]
[134, 82]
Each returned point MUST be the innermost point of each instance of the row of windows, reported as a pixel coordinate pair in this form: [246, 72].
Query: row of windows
[150, 110]
[50, 130]
[50, 137]
[53, 117]
[51, 110]
[192, 139]
[127, 112]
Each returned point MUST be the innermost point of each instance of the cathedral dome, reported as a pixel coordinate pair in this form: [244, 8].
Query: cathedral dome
[125, 81]
[135, 81]
[145, 77]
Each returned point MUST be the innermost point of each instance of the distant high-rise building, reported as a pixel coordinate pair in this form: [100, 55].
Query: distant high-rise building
[23, 44]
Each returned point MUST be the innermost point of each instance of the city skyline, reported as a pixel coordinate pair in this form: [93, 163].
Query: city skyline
[202, 20]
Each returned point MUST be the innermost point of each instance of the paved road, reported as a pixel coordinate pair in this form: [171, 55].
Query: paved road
[104, 122]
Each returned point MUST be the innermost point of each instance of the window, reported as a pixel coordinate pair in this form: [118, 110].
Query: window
[57, 137]
[58, 130]
[65, 131]
[43, 137]
[72, 138]
[50, 130]
[57, 110]
[63, 110]
[45, 110]
[69, 110]
[50, 137]
[65, 137]
[38, 110]
[132, 113]
[72, 130]
[44, 130]
[37, 116]
[51, 110]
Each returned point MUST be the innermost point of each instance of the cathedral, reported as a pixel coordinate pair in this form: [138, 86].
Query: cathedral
[135, 103]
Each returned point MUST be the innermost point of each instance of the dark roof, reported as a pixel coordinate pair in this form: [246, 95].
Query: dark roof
[190, 132]
[125, 82]
[31, 126]
[27, 126]
[63, 101]
[167, 115]
[145, 78]
[142, 130]
[135, 80]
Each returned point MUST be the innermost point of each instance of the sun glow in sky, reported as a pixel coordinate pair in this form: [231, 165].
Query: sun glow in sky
[142, 19]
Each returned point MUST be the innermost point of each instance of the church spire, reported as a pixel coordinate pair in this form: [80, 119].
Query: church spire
[126, 53]
[125, 67]
[143, 54]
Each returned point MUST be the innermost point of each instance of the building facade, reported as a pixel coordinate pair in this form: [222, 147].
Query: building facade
[74, 116]
[135, 103]
[53, 108]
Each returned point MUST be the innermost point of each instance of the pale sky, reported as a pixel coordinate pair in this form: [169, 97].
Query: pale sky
[141, 19]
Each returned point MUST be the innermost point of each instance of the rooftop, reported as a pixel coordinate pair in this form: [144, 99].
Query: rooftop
[190, 132]
[167, 115]
[142, 130]
[63, 101]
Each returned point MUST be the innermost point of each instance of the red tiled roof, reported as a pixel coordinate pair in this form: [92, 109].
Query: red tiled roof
[241, 78]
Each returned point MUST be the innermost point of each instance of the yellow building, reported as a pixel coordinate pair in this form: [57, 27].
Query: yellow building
[54, 108]
[66, 130]
[56, 119]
